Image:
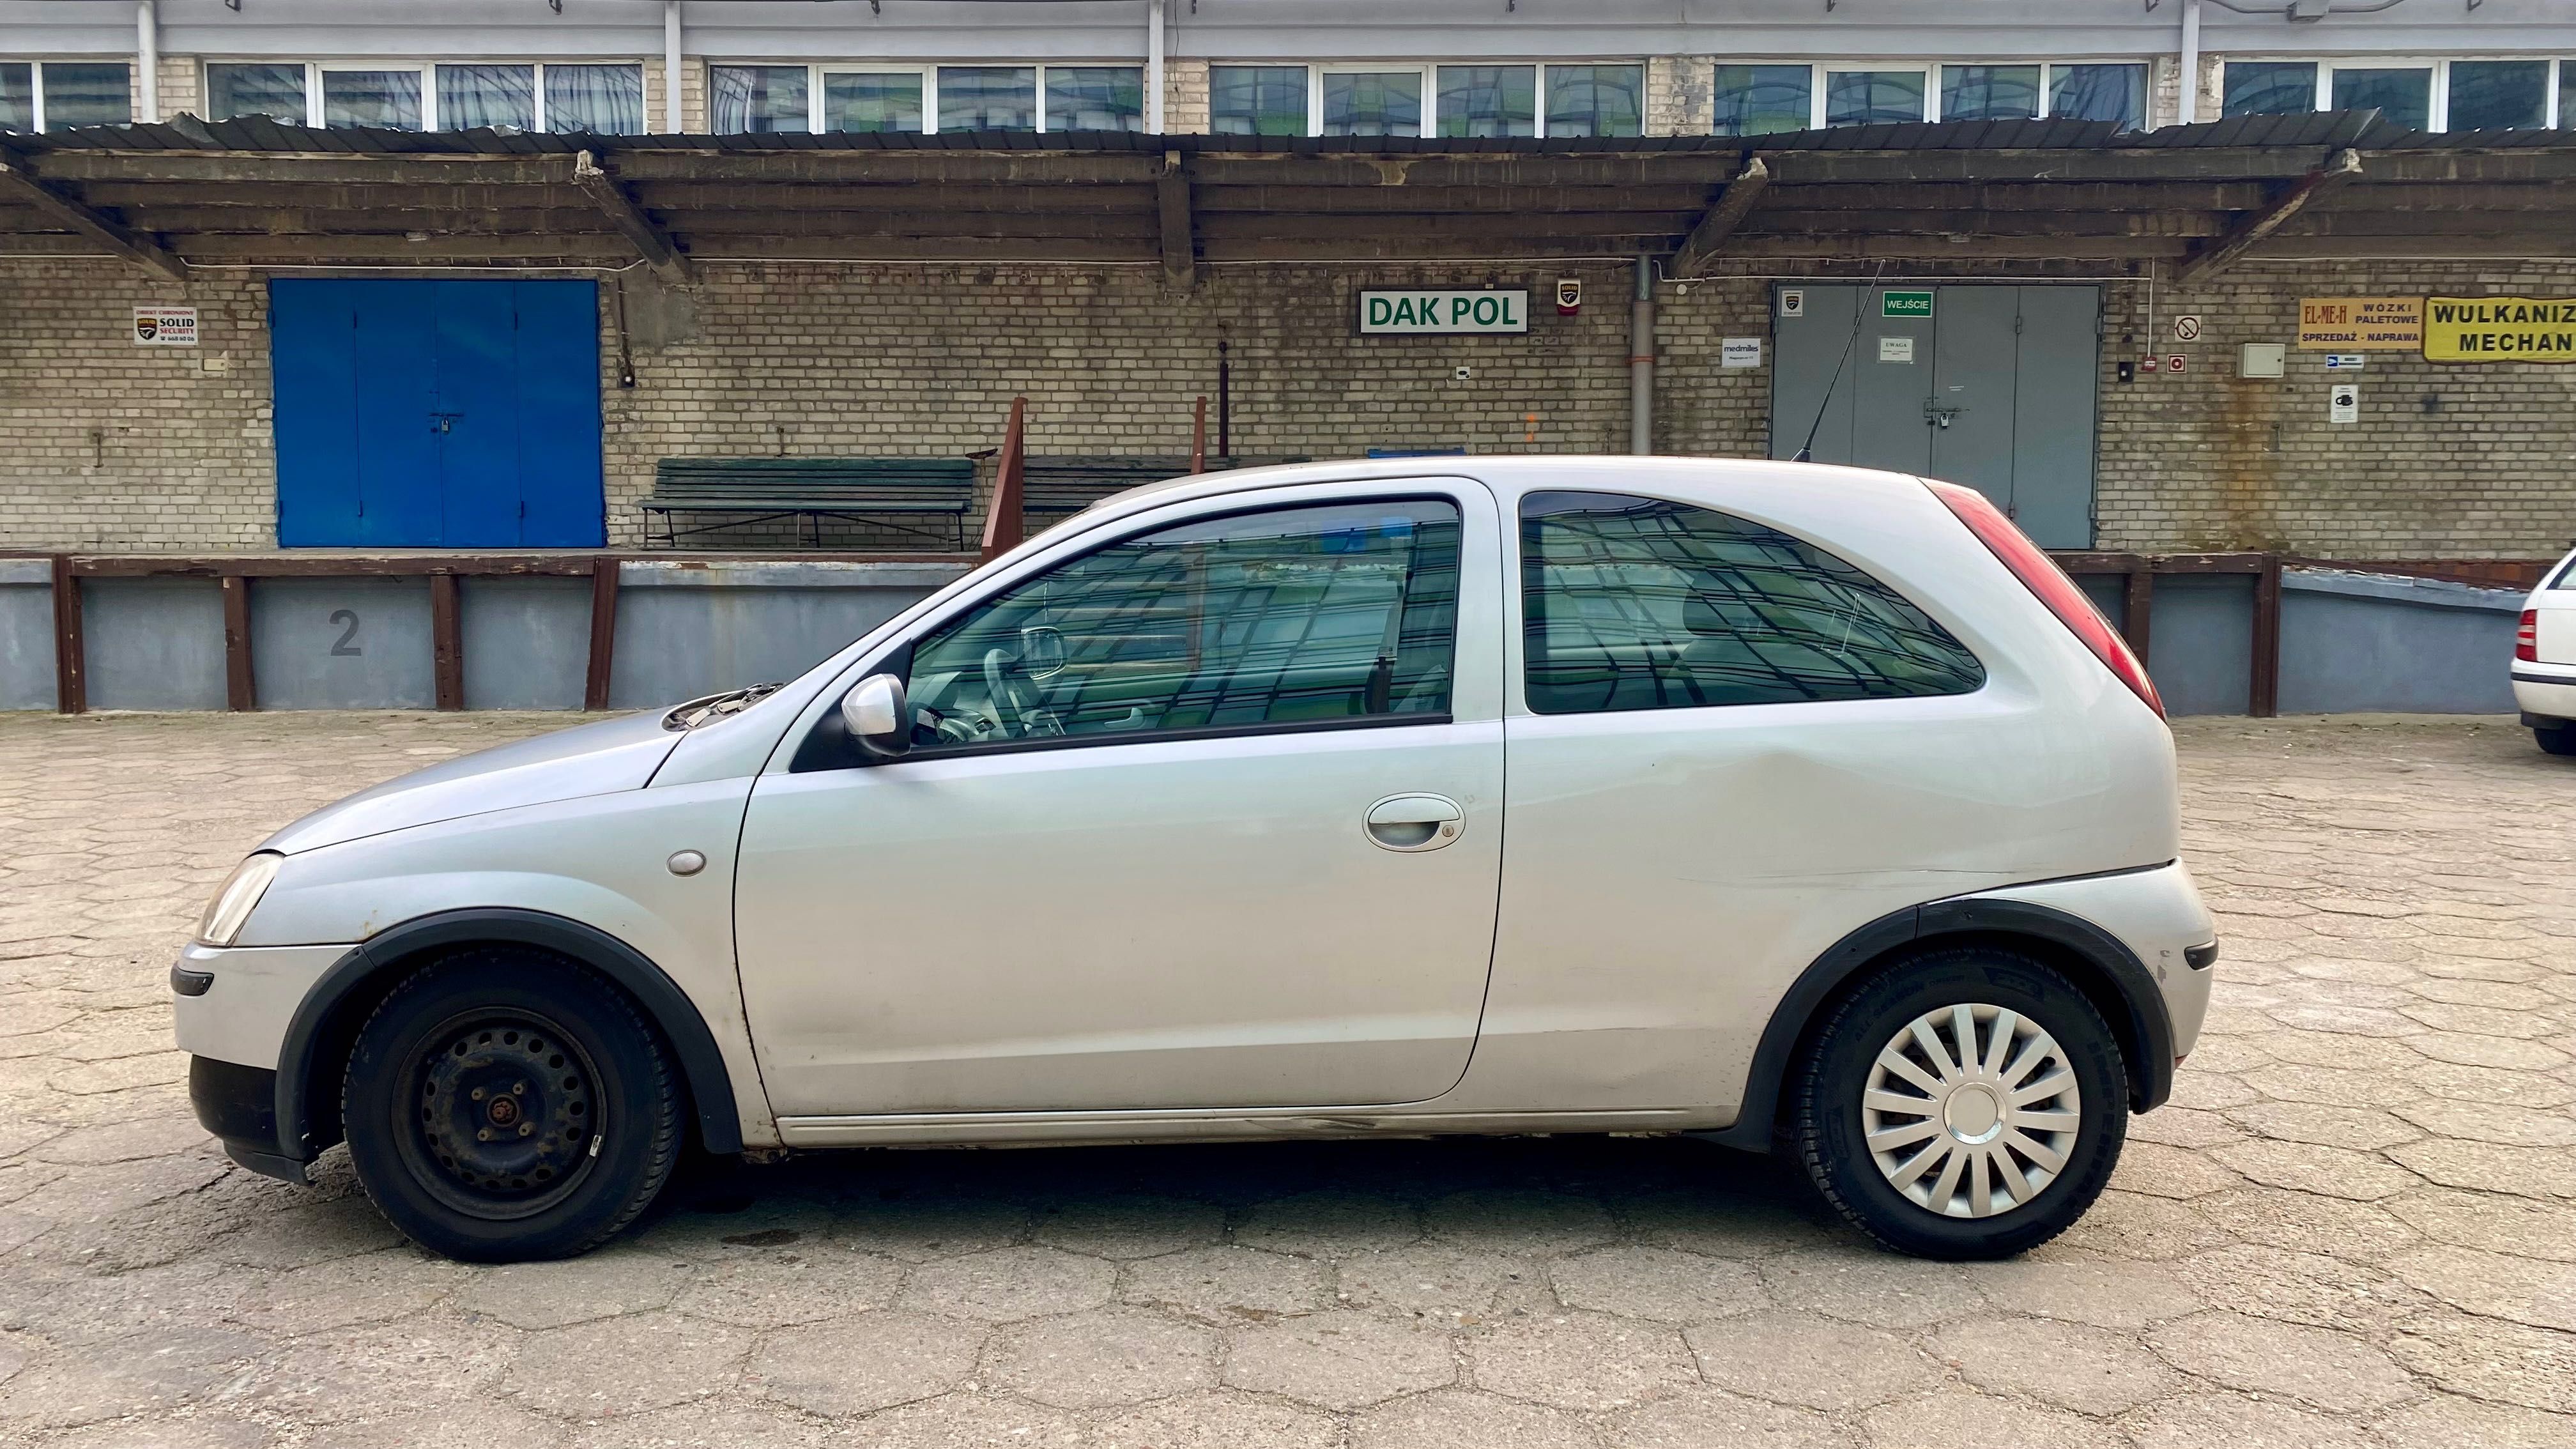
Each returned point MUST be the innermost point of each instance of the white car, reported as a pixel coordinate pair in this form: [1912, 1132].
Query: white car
[2544, 659]
[1780, 804]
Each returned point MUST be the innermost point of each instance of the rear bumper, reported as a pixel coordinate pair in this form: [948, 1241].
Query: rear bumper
[2544, 693]
[2158, 915]
[239, 1105]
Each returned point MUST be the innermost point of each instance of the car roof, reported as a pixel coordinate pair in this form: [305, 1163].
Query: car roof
[1511, 470]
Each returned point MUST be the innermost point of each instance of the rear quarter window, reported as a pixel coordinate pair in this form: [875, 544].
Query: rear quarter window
[1638, 603]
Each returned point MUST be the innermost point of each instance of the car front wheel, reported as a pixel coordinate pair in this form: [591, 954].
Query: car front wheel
[1969, 1103]
[504, 1105]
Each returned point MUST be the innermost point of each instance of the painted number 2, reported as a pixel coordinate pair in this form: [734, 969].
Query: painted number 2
[347, 643]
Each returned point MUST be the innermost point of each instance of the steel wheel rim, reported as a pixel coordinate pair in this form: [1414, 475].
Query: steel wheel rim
[1971, 1110]
[500, 1114]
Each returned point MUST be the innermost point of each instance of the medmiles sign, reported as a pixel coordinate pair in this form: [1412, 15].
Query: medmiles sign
[2499, 329]
[1416, 310]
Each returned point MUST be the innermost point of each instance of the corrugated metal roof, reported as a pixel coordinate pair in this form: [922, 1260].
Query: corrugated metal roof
[2366, 130]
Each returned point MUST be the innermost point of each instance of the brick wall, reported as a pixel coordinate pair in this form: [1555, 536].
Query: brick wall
[1185, 97]
[120, 447]
[1679, 94]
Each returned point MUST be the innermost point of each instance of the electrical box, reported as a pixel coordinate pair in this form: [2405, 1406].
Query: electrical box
[2263, 359]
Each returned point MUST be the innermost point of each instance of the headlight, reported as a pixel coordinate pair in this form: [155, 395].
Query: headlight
[230, 910]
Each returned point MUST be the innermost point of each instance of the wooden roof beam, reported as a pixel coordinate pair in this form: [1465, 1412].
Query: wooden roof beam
[1172, 204]
[2220, 251]
[629, 219]
[1733, 205]
[19, 182]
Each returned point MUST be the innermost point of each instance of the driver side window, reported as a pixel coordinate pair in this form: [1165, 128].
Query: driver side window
[1313, 616]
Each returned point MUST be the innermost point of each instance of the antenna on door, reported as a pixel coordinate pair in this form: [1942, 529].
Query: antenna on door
[1860, 315]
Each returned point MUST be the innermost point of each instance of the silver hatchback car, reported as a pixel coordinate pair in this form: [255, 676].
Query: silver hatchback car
[1790, 806]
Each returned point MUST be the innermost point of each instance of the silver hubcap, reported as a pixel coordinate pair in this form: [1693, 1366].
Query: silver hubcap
[1971, 1110]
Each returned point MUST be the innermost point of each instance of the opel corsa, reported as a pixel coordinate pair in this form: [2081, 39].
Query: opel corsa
[1790, 806]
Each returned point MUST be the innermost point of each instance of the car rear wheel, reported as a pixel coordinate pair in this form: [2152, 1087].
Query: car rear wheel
[1969, 1103]
[2557, 740]
[503, 1106]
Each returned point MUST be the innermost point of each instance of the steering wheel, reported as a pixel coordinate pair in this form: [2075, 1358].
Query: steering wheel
[1011, 708]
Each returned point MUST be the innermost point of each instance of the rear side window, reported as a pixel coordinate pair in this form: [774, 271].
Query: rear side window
[2567, 575]
[1637, 603]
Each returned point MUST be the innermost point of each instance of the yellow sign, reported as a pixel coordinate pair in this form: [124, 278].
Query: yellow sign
[2499, 329]
[2361, 324]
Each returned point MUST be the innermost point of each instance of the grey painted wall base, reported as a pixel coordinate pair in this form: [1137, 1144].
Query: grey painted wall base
[2349, 641]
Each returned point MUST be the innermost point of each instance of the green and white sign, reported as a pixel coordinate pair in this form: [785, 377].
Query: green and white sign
[1426, 311]
[1905, 304]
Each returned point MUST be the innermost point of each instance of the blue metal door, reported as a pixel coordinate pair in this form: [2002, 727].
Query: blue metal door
[437, 414]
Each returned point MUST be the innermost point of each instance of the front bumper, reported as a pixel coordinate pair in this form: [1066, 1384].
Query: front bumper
[239, 1105]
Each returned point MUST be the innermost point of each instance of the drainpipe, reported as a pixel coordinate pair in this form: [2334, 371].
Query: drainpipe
[147, 57]
[672, 124]
[1641, 361]
[2190, 62]
[1153, 67]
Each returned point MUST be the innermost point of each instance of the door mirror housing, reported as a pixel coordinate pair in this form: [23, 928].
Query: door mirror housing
[878, 716]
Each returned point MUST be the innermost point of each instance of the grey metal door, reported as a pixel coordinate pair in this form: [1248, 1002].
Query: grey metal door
[1994, 389]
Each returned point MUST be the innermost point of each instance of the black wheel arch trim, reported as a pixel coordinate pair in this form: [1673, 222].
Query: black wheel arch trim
[665, 1005]
[2145, 1021]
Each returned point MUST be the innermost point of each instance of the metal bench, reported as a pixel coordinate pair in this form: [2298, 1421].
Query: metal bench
[1058, 486]
[809, 490]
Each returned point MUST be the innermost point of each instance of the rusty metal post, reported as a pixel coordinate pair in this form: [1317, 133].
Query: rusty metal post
[241, 688]
[446, 643]
[1198, 436]
[1003, 525]
[2137, 605]
[603, 630]
[71, 682]
[2263, 694]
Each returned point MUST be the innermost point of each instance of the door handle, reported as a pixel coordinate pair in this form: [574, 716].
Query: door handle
[1415, 822]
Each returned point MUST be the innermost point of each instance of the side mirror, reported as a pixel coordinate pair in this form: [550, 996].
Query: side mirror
[878, 716]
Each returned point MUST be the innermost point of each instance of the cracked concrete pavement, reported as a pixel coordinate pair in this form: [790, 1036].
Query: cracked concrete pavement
[2355, 1226]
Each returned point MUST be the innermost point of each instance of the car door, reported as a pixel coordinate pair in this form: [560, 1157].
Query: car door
[1204, 813]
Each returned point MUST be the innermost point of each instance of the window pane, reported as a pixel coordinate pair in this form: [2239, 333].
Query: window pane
[17, 97]
[2115, 93]
[2495, 95]
[988, 98]
[2269, 88]
[600, 100]
[487, 95]
[1989, 92]
[746, 98]
[1632, 603]
[1763, 100]
[1596, 100]
[1488, 100]
[2404, 96]
[388, 98]
[1095, 98]
[2567, 94]
[274, 91]
[1387, 103]
[87, 93]
[1299, 615]
[872, 101]
[1257, 100]
[1870, 97]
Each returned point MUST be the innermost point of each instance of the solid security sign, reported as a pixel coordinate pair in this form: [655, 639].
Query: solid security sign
[165, 326]
[1429, 312]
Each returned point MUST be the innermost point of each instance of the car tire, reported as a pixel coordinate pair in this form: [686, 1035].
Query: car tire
[2557, 739]
[506, 1105]
[1878, 1121]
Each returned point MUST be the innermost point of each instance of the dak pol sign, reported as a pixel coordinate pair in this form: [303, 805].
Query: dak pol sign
[1415, 310]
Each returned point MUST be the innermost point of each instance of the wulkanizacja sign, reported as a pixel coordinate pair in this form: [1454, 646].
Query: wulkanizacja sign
[2499, 329]
[1427, 311]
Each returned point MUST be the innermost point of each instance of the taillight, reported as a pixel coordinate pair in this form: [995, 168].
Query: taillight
[2040, 574]
[2526, 637]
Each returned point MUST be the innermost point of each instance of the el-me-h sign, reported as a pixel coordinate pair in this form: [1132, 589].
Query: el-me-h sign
[1413, 309]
